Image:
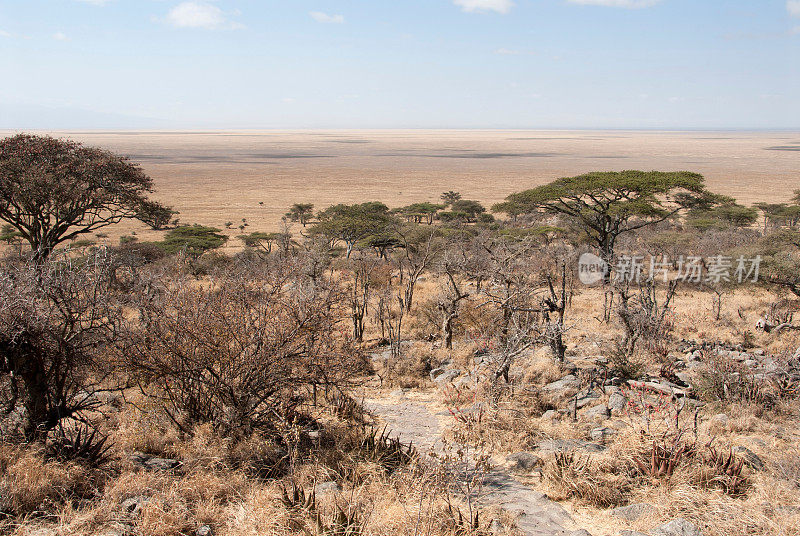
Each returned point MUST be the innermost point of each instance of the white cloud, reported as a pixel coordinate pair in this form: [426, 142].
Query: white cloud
[793, 7]
[4, 33]
[60, 36]
[628, 4]
[478, 6]
[200, 15]
[319, 16]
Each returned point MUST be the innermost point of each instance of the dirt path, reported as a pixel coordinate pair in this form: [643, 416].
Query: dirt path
[417, 421]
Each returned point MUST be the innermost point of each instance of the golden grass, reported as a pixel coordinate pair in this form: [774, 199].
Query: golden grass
[216, 177]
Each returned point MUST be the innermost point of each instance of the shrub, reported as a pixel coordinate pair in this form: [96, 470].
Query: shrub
[239, 354]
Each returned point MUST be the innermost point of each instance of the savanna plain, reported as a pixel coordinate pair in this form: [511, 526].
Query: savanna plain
[345, 333]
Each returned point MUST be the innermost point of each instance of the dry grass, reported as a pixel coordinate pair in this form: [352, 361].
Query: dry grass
[216, 177]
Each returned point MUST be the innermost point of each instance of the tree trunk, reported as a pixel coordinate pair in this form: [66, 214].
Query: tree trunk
[447, 330]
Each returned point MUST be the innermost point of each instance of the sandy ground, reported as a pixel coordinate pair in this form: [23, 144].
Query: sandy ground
[216, 177]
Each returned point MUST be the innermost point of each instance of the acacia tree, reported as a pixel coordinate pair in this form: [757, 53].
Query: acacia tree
[449, 197]
[608, 204]
[369, 223]
[156, 215]
[55, 190]
[301, 212]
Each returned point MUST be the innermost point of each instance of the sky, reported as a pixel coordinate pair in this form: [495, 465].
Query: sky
[304, 64]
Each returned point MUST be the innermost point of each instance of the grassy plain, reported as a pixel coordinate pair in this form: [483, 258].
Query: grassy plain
[221, 176]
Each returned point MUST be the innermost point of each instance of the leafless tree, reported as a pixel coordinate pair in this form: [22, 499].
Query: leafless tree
[240, 353]
[57, 316]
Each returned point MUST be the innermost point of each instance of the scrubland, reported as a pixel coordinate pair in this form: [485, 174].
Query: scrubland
[168, 386]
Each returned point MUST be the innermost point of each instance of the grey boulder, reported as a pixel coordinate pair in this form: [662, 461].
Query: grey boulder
[677, 527]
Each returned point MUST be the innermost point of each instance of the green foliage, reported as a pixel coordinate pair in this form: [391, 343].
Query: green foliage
[301, 212]
[194, 240]
[721, 217]
[420, 212]
[9, 234]
[607, 204]
[156, 215]
[780, 214]
[469, 207]
[450, 197]
[363, 223]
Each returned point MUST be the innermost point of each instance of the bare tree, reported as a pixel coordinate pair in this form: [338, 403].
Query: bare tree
[55, 320]
[644, 316]
[359, 287]
[450, 267]
[242, 354]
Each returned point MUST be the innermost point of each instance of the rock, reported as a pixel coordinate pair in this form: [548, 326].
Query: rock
[684, 377]
[677, 527]
[580, 532]
[569, 445]
[601, 434]
[567, 382]
[617, 402]
[205, 530]
[632, 512]
[720, 419]
[550, 414]
[586, 398]
[750, 458]
[435, 373]
[133, 506]
[600, 410]
[759, 351]
[327, 487]
[631, 533]
[154, 463]
[465, 381]
[523, 461]
[447, 376]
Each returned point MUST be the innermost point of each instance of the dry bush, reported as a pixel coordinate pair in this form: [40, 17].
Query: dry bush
[238, 353]
[55, 320]
[721, 379]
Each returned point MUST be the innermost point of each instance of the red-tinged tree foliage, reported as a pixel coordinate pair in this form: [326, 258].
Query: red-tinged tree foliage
[54, 190]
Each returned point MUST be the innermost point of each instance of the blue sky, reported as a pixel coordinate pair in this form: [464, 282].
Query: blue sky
[668, 64]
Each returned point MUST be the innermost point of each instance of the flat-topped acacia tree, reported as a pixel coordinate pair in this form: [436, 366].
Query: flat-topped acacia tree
[608, 204]
[54, 190]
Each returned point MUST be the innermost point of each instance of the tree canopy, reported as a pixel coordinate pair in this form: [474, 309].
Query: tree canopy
[301, 212]
[54, 190]
[420, 212]
[367, 223]
[607, 204]
[194, 240]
